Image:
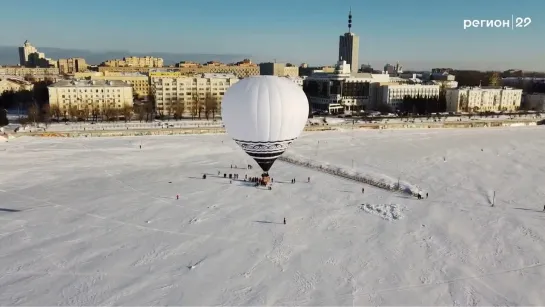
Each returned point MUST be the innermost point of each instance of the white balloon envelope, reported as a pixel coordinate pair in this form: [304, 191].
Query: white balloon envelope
[264, 115]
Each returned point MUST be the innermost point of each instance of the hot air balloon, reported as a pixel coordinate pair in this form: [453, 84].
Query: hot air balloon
[264, 115]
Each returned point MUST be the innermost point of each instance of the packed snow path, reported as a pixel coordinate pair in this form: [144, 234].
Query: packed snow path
[96, 222]
[378, 180]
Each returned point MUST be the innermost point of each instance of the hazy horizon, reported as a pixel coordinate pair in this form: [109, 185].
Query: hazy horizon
[418, 35]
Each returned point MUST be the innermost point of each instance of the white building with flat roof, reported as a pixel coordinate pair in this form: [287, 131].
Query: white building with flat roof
[483, 99]
[393, 94]
[90, 94]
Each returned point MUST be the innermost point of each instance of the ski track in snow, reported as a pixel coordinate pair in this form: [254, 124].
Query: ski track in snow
[95, 222]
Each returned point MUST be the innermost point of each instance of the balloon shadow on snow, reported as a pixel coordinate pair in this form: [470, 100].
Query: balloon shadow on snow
[9, 210]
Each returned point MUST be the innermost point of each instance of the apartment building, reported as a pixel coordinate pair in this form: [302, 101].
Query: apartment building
[139, 82]
[126, 69]
[90, 94]
[480, 99]
[133, 61]
[278, 69]
[14, 84]
[36, 73]
[240, 69]
[71, 65]
[190, 92]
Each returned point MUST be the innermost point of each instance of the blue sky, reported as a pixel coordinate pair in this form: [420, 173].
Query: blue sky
[418, 33]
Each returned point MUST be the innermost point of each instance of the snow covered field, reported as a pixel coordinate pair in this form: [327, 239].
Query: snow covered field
[95, 221]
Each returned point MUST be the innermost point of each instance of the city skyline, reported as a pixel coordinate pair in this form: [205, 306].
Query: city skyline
[419, 37]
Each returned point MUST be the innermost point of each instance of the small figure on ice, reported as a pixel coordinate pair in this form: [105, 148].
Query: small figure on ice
[362, 190]
[284, 221]
[308, 179]
[177, 196]
[426, 194]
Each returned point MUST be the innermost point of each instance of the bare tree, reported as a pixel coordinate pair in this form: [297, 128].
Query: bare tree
[114, 114]
[84, 113]
[95, 111]
[148, 107]
[140, 112]
[33, 113]
[127, 112]
[179, 109]
[46, 114]
[55, 111]
[210, 106]
[73, 112]
[199, 107]
[194, 107]
[170, 108]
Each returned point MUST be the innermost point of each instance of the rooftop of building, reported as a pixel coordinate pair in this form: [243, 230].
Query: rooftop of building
[126, 74]
[218, 76]
[90, 83]
[484, 88]
[15, 79]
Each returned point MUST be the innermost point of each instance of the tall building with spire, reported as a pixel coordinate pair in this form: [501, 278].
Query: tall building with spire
[349, 46]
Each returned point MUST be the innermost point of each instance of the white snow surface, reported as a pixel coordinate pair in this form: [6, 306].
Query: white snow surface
[95, 221]
[388, 212]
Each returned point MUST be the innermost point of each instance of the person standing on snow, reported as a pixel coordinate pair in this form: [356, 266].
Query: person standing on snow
[362, 190]
[177, 196]
[284, 221]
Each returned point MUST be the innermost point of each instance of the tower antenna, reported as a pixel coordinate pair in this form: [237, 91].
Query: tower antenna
[350, 21]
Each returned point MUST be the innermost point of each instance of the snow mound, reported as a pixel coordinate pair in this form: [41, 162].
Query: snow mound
[374, 179]
[389, 212]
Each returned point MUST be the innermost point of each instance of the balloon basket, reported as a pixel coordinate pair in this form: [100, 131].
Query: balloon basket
[265, 179]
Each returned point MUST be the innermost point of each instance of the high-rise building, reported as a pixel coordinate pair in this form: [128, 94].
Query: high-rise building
[349, 46]
[25, 52]
[30, 57]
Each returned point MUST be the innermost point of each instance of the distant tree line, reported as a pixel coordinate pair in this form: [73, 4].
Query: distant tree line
[421, 105]
[23, 99]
